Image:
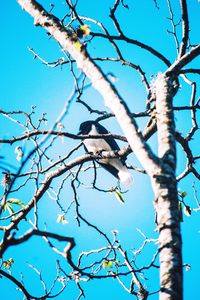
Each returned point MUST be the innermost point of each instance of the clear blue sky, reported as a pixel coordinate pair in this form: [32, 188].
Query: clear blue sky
[26, 82]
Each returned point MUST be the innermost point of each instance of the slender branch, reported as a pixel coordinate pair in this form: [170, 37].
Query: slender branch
[113, 17]
[174, 26]
[16, 241]
[142, 291]
[176, 67]
[185, 28]
[44, 187]
[13, 241]
[136, 43]
[61, 134]
[18, 284]
[74, 11]
[183, 71]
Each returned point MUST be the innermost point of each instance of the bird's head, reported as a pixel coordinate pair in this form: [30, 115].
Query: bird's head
[86, 127]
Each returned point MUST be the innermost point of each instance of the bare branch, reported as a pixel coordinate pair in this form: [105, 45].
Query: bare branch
[185, 28]
[136, 43]
[174, 25]
[18, 284]
[183, 61]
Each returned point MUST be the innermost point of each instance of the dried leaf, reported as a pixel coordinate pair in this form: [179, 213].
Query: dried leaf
[119, 196]
[187, 210]
[183, 194]
[180, 208]
[19, 152]
[8, 263]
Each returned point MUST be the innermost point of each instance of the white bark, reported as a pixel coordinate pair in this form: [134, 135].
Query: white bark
[165, 189]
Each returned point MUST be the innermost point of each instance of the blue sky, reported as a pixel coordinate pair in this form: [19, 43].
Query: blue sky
[26, 82]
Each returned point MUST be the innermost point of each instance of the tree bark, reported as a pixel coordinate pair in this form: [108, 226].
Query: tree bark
[165, 188]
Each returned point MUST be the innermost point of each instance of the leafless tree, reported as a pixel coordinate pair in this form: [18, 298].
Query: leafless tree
[39, 171]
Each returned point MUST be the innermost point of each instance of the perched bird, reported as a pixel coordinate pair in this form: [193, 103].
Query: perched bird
[116, 166]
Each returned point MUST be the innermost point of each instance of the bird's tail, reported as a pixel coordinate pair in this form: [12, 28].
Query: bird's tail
[125, 177]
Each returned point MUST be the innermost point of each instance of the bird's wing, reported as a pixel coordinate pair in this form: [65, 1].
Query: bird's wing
[111, 141]
[109, 168]
[86, 150]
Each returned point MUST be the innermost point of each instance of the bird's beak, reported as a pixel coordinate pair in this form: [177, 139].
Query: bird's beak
[79, 133]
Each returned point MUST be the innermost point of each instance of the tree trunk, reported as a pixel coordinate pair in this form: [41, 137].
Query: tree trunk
[168, 225]
[165, 189]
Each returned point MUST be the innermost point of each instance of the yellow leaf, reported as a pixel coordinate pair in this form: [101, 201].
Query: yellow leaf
[109, 264]
[78, 45]
[61, 219]
[8, 263]
[60, 125]
[105, 264]
[86, 29]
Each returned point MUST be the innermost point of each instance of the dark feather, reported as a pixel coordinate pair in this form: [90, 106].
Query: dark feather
[109, 168]
[112, 143]
[85, 128]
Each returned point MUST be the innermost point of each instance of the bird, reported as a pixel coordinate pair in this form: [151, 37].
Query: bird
[116, 166]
